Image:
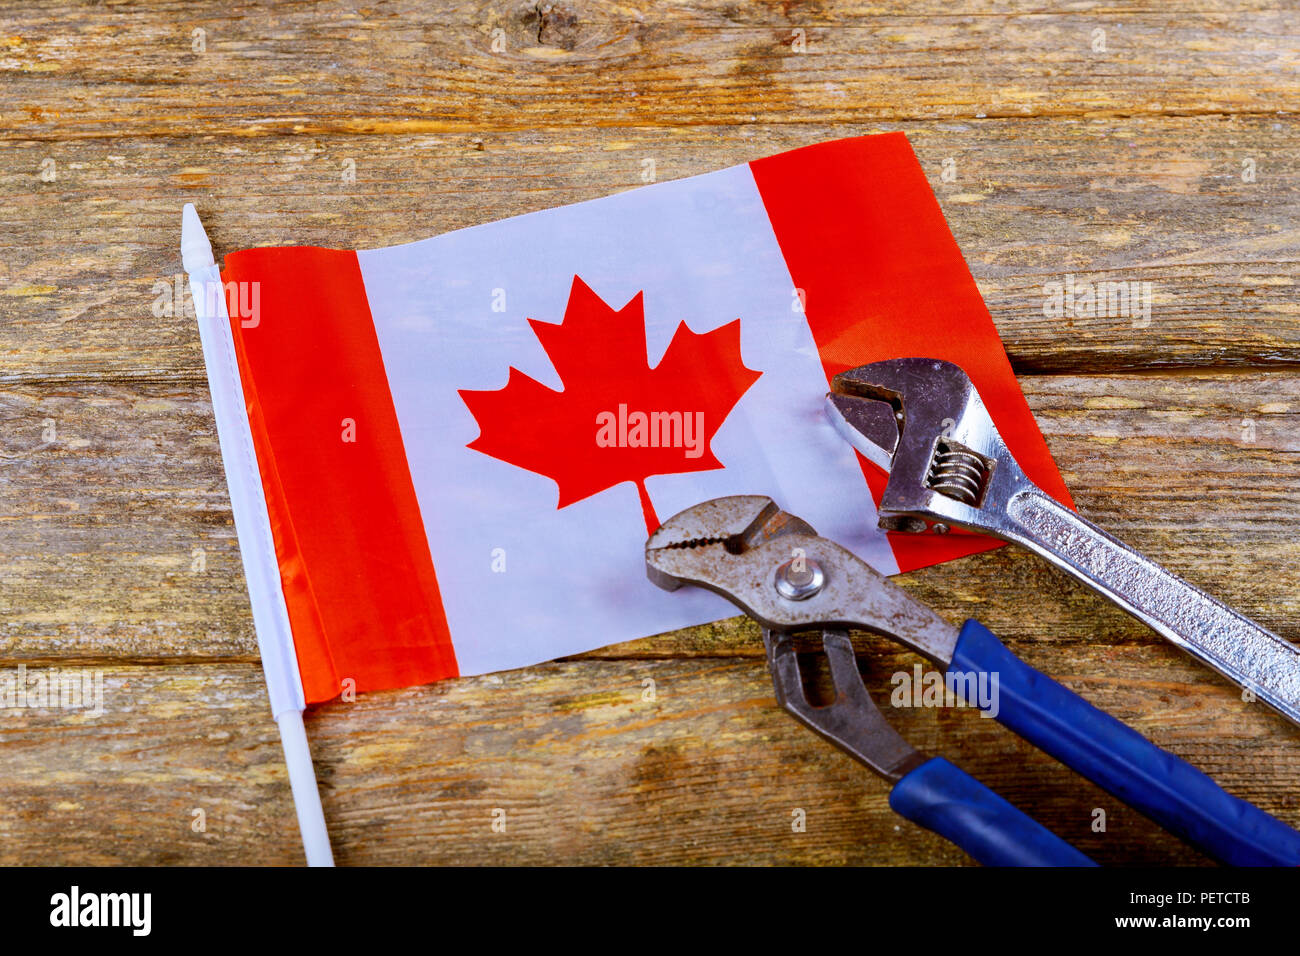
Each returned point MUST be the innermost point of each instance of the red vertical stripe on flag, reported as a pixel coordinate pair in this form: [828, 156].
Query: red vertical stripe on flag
[354, 560]
[865, 239]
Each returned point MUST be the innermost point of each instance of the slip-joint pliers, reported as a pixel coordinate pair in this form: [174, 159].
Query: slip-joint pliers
[776, 568]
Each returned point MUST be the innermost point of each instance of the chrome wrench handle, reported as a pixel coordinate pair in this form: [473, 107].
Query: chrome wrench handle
[924, 422]
[1235, 646]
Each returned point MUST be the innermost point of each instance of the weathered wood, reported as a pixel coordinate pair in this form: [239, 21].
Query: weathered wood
[584, 767]
[1159, 201]
[101, 524]
[118, 539]
[710, 771]
[77, 71]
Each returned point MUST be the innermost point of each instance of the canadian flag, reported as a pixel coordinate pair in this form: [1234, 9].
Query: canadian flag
[450, 452]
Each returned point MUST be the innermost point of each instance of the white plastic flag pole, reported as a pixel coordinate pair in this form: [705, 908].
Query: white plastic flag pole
[253, 528]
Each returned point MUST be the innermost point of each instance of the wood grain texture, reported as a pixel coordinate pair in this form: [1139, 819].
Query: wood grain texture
[586, 770]
[1180, 434]
[413, 67]
[1132, 200]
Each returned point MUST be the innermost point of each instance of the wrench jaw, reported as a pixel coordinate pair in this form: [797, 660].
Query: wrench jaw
[872, 426]
[948, 466]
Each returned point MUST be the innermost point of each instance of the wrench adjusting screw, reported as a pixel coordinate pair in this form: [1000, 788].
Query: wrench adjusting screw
[798, 584]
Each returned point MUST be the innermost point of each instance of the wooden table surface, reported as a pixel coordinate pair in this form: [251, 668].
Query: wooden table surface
[1136, 142]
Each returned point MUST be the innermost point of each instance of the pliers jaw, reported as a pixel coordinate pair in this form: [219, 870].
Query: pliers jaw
[692, 546]
[774, 567]
[852, 721]
[779, 571]
[923, 422]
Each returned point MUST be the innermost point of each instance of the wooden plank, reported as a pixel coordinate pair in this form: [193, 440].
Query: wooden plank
[711, 771]
[118, 539]
[122, 787]
[584, 766]
[403, 67]
[88, 261]
[101, 524]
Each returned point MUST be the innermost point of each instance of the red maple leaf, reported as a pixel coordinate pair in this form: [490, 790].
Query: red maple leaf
[616, 419]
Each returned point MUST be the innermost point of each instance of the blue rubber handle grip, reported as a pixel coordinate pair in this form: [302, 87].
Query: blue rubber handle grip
[952, 803]
[1121, 761]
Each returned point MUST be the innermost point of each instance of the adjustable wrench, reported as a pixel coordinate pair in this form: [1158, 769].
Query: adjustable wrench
[923, 421]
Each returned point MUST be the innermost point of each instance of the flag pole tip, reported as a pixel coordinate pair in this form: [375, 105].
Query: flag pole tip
[196, 251]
